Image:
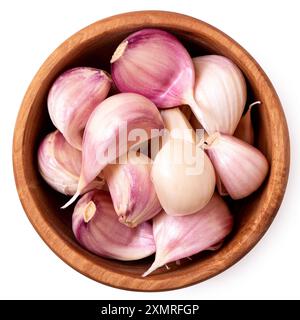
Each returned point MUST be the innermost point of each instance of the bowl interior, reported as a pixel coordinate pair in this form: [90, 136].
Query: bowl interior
[96, 51]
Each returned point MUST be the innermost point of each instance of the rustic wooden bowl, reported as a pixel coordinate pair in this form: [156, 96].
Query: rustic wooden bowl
[93, 46]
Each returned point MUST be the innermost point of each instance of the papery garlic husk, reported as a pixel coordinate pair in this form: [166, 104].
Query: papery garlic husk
[96, 227]
[73, 97]
[182, 174]
[241, 167]
[131, 189]
[154, 63]
[220, 93]
[59, 164]
[106, 135]
[244, 130]
[180, 237]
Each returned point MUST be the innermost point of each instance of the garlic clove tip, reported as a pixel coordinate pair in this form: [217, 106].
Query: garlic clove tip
[72, 200]
[119, 51]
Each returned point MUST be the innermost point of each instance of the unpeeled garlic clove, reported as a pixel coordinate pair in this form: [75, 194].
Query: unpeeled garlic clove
[131, 189]
[73, 97]
[220, 94]
[154, 63]
[182, 174]
[244, 130]
[107, 130]
[180, 237]
[241, 167]
[96, 227]
[59, 164]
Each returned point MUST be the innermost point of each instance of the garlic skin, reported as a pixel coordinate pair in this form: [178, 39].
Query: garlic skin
[241, 167]
[131, 189]
[244, 130]
[155, 64]
[59, 164]
[220, 94]
[182, 173]
[96, 227]
[73, 97]
[104, 132]
[181, 237]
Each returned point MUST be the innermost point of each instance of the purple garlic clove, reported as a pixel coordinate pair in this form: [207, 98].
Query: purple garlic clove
[131, 189]
[181, 237]
[73, 97]
[96, 227]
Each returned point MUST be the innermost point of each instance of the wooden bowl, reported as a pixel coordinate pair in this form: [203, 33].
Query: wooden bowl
[93, 46]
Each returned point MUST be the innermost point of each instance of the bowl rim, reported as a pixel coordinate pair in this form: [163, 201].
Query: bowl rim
[58, 244]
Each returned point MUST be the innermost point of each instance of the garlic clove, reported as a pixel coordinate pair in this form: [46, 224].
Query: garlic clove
[131, 189]
[73, 97]
[181, 237]
[244, 130]
[220, 94]
[241, 167]
[96, 227]
[165, 69]
[182, 173]
[184, 180]
[59, 164]
[107, 130]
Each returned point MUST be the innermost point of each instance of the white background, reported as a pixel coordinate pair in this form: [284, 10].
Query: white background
[31, 30]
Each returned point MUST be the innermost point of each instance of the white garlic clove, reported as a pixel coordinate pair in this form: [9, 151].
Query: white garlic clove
[181, 237]
[96, 227]
[182, 173]
[184, 180]
[244, 130]
[220, 93]
[59, 164]
[107, 131]
[241, 167]
[165, 69]
[131, 189]
[73, 97]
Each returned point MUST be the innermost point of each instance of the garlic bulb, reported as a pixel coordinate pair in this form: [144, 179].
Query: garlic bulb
[131, 189]
[96, 227]
[241, 167]
[182, 174]
[107, 131]
[220, 93]
[73, 97]
[154, 63]
[59, 164]
[244, 130]
[180, 237]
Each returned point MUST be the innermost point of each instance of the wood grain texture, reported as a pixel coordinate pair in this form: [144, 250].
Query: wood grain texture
[93, 46]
